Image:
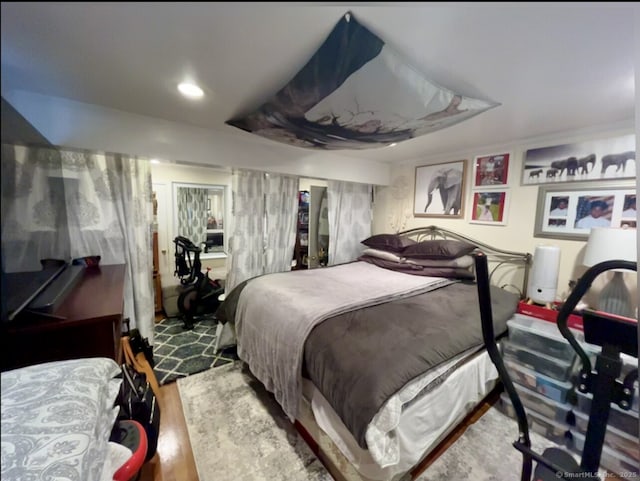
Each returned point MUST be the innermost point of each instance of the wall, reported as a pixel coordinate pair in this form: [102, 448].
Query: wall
[393, 208]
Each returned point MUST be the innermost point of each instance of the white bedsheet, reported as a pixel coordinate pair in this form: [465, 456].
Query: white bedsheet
[421, 425]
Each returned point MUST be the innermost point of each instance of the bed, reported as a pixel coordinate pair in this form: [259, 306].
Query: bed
[380, 358]
[57, 418]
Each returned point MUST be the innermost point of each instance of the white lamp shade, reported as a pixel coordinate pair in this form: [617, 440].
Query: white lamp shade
[608, 243]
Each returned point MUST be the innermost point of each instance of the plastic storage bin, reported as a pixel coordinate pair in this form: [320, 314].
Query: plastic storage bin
[544, 364]
[541, 336]
[552, 388]
[610, 460]
[617, 440]
[532, 401]
[552, 430]
[626, 421]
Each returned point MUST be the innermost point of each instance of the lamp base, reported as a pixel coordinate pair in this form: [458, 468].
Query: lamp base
[615, 297]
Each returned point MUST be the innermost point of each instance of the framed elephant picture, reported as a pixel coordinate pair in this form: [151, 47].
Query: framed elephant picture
[439, 190]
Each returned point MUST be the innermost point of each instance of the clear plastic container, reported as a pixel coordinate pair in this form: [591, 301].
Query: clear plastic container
[541, 336]
[532, 401]
[549, 387]
[614, 438]
[626, 421]
[544, 364]
[555, 431]
[610, 460]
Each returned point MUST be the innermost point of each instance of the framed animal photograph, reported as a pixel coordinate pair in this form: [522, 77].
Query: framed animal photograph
[439, 190]
[489, 207]
[602, 159]
[570, 212]
[490, 171]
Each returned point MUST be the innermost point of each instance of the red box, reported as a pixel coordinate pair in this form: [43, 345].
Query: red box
[550, 315]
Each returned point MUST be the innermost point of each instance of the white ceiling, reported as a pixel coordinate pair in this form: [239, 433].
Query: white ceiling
[553, 67]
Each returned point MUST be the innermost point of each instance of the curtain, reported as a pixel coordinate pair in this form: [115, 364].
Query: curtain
[67, 204]
[349, 219]
[246, 245]
[265, 211]
[192, 214]
[281, 208]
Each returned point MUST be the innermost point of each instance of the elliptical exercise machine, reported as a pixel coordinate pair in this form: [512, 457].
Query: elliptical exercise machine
[200, 293]
[615, 334]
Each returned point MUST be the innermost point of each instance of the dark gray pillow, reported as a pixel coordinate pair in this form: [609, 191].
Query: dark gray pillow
[438, 249]
[388, 242]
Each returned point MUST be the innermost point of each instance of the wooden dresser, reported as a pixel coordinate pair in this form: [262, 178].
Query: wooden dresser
[88, 323]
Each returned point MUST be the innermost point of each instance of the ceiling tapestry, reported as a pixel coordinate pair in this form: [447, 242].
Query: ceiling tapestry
[357, 93]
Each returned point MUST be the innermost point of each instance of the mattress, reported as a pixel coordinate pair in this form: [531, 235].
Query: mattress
[440, 399]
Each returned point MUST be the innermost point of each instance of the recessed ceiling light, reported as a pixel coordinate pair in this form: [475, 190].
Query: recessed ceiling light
[154, 161]
[190, 90]
[393, 144]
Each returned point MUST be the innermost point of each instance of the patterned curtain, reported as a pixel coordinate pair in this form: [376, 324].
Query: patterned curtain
[349, 219]
[85, 204]
[192, 214]
[246, 244]
[265, 208]
[280, 221]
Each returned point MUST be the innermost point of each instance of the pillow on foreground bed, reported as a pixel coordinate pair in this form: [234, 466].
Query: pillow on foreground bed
[57, 417]
[388, 242]
[438, 249]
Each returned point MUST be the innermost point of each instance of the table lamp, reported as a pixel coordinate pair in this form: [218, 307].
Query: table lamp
[607, 244]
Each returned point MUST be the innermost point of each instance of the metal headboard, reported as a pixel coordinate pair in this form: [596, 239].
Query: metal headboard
[497, 257]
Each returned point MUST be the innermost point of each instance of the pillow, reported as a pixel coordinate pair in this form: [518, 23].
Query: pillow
[386, 255]
[388, 242]
[463, 262]
[438, 249]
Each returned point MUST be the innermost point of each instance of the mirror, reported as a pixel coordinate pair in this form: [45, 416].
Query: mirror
[200, 216]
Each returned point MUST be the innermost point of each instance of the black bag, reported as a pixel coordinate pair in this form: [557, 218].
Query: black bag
[137, 401]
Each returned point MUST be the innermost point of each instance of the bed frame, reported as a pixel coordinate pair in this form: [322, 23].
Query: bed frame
[505, 265]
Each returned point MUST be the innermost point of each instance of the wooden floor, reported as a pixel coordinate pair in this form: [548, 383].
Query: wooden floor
[174, 459]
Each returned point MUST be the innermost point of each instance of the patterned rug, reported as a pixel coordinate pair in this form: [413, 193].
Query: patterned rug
[238, 431]
[180, 353]
[484, 452]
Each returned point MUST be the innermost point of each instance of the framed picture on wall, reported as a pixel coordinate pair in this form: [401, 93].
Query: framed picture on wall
[491, 171]
[439, 190]
[489, 207]
[601, 159]
[570, 212]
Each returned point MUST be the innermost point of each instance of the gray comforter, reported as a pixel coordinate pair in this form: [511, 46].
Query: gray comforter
[360, 359]
[276, 312]
[361, 341]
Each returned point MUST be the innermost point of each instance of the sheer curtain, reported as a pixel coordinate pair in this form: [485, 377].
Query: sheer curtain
[281, 212]
[246, 245]
[192, 214]
[66, 204]
[265, 210]
[349, 219]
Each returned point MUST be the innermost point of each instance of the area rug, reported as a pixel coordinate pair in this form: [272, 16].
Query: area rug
[239, 432]
[179, 352]
[484, 452]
